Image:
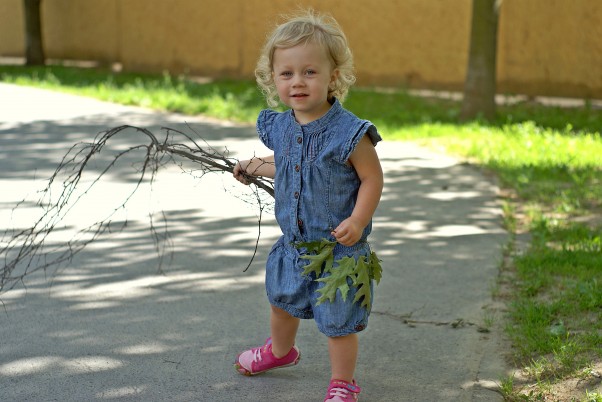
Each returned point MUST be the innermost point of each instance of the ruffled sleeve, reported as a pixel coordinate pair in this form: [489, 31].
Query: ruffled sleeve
[265, 122]
[366, 128]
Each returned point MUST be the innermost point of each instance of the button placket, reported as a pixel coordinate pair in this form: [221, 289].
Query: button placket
[297, 179]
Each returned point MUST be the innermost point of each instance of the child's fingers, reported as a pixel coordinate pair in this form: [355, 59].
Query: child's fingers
[237, 170]
[242, 179]
[238, 174]
[345, 236]
[341, 236]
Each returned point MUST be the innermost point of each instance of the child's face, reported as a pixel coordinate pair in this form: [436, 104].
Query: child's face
[302, 74]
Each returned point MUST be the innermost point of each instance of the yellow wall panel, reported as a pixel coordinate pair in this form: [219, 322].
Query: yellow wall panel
[545, 47]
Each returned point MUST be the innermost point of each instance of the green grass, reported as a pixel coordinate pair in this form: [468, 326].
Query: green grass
[548, 159]
[228, 99]
[556, 303]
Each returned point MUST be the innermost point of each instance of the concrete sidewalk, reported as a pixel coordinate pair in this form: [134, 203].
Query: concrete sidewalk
[109, 327]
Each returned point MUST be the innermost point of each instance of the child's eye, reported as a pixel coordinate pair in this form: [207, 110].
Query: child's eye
[286, 74]
[310, 72]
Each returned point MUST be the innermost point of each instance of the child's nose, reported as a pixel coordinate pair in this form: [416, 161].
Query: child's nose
[298, 80]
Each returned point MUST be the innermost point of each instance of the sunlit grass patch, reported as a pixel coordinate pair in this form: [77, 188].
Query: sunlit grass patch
[225, 99]
[554, 316]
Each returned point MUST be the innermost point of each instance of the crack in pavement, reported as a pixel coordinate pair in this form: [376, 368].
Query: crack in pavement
[406, 319]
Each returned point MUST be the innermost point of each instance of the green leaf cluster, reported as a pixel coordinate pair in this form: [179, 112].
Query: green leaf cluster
[360, 272]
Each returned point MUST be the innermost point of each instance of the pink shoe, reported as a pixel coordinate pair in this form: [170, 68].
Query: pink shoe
[259, 360]
[342, 391]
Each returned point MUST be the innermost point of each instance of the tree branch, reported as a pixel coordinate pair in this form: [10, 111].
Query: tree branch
[26, 251]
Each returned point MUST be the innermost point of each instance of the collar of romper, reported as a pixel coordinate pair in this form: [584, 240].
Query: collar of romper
[323, 121]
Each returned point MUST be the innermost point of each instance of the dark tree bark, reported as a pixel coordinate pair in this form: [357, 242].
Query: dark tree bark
[479, 86]
[34, 48]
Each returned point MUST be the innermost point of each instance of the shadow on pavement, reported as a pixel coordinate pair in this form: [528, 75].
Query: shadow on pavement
[110, 327]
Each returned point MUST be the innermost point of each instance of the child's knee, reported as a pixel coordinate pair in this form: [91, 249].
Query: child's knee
[343, 338]
[280, 313]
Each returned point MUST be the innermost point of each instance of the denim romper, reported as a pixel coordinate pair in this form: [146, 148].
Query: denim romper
[315, 190]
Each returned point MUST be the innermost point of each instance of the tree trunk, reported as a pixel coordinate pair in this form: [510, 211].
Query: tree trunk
[34, 48]
[479, 86]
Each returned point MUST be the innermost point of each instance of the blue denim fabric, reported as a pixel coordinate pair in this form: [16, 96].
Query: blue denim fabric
[315, 190]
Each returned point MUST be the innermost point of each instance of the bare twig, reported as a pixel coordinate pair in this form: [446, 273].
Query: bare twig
[29, 250]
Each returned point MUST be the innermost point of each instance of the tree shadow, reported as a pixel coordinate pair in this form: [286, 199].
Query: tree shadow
[110, 326]
[41, 145]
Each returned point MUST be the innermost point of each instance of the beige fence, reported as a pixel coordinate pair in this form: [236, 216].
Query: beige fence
[545, 47]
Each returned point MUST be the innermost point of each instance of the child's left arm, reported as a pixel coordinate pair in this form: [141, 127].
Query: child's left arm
[365, 161]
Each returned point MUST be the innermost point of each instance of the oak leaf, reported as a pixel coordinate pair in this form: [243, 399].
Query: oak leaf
[321, 262]
[360, 271]
[362, 283]
[337, 280]
[376, 270]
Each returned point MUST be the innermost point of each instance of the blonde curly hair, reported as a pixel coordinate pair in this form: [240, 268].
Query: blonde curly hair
[309, 27]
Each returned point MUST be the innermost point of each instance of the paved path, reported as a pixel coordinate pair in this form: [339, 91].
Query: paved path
[109, 327]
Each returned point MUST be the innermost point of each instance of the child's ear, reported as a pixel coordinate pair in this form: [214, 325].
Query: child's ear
[334, 75]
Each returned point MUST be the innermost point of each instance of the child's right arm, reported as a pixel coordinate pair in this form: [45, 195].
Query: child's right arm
[255, 166]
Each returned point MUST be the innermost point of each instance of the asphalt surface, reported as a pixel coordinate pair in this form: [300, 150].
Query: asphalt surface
[109, 326]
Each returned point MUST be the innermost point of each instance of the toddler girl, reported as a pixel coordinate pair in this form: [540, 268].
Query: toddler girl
[328, 182]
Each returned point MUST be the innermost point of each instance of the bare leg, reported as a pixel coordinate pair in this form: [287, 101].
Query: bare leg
[284, 330]
[343, 352]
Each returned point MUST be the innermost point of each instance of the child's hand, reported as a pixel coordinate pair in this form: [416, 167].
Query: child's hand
[240, 170]
[348, 232]
[254, 167]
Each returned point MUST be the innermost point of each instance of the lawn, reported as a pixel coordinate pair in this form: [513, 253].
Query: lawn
[549, 166]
